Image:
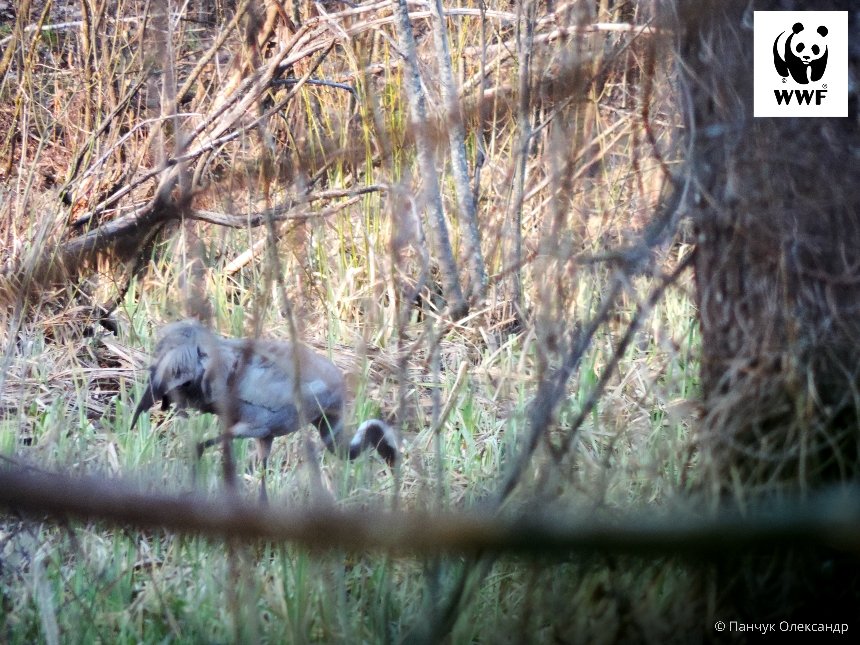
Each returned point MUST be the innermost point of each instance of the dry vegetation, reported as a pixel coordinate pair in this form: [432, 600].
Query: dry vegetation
[168, 159]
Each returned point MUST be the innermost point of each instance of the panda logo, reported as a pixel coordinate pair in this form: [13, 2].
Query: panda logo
[802, 53]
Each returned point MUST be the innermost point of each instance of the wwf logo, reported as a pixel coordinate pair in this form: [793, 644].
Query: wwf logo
[801, 53]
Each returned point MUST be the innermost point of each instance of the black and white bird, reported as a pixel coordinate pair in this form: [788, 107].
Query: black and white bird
[254, 384]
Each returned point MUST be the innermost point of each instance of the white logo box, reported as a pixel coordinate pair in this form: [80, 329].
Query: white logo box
[800, 65]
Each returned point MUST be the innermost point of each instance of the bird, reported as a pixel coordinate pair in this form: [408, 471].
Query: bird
[254, 385]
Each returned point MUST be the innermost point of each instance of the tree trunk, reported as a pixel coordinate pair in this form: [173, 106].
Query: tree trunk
[777, 267]
[459, 165]
[777, 215]
[457, 305]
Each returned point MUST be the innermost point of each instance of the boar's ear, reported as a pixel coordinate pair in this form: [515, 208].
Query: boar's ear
[175, 368]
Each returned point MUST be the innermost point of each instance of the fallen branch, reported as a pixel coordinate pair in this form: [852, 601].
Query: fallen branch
[259, 246]
[289, 211]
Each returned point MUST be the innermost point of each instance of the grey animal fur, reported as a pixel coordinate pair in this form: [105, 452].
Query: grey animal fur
[252, 382]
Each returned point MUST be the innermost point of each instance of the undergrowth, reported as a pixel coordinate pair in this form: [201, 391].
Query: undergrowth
[69, 387]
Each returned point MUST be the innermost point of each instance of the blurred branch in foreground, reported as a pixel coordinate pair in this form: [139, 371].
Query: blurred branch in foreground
[830, 520]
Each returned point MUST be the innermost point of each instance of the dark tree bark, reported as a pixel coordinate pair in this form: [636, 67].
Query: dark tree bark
[777, 267]
[777, 216]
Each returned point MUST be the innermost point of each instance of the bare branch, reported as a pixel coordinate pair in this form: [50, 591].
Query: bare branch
[525, 36]
[831, 520]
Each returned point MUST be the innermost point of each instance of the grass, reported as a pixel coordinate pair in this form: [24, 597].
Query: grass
[67, 398]
[105, 584]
